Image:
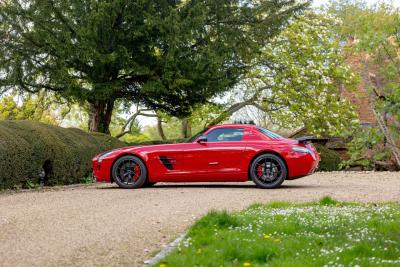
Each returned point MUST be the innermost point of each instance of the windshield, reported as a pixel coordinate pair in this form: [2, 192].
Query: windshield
[194, 137]
[268, 133]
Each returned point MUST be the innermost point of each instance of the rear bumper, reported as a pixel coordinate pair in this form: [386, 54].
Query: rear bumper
[301, 165]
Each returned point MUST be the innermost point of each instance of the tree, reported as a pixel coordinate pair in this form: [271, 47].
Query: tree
[28, 107]
[374, 34]
[167, 55]
[130, 125]
[298, 78]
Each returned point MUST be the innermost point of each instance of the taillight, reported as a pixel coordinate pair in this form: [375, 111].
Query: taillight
[312, 150]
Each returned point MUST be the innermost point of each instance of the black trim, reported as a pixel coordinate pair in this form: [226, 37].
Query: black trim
[166, 162]
[312, 139]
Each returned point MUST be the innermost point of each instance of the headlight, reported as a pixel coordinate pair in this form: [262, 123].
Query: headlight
[105, 155]
[300, 149]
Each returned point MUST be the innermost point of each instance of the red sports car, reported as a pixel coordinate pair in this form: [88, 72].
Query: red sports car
[222, 153]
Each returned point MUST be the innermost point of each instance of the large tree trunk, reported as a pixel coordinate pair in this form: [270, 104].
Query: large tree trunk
[186, 128]
[100, 116]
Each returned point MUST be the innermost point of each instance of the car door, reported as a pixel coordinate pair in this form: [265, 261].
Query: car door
[219, 158]
[165, 161]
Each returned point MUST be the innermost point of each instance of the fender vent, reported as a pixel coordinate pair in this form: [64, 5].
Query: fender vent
[167, 162]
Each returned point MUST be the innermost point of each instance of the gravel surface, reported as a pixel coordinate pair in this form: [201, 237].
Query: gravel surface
[104, 225]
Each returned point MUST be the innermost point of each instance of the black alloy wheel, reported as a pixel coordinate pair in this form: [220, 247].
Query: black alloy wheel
[268, 171]
[129, 172]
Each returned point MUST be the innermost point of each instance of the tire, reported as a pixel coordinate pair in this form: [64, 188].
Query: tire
[129, 172]
[268, 171]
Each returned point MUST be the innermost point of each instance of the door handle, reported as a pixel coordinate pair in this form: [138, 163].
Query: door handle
[213, 163]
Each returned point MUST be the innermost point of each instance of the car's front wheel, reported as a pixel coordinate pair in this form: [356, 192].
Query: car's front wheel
[129, 172]
[268, 171]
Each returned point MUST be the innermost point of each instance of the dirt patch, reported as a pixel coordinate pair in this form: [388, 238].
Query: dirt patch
[105, 225]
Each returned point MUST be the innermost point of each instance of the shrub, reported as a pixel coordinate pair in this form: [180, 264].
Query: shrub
[27, 148]
[330, 160]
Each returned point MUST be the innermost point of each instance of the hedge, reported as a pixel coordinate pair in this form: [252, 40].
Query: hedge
[330, 159]
[27, 148]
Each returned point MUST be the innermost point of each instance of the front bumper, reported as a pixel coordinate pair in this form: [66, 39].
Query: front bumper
[101, 170]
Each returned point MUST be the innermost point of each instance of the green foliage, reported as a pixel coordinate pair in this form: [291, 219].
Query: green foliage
[26, 148]
[369, 25]
[330, 160]
[199, 119]
[310, 234]
[29, 184]
[366, 147]
[168, 55]
[328, 201]
[374, 31]
[137, 138]
[171, 126]
[301, 72]
[204, 114]
[32, 108]
[217, 219]
[87, 180]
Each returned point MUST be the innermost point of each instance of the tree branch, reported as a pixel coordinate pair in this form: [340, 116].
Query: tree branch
[126, 128]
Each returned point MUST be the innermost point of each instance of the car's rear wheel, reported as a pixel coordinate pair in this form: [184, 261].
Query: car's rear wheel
[129, 172]
[268, 171]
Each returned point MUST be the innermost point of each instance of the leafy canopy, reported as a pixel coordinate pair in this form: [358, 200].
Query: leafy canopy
[169, 55]
[301, 73]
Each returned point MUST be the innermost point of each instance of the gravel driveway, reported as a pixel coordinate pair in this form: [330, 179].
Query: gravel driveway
[104, 225]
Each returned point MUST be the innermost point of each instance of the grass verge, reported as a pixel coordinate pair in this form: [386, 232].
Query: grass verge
[327, 233]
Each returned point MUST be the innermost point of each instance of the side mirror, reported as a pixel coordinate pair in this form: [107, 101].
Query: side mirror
[202, 139]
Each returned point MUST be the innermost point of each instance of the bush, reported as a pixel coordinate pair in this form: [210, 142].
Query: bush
[330, 160]
[27, 148]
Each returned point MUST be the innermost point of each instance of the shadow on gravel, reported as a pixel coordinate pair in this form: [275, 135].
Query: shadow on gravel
[216, 185]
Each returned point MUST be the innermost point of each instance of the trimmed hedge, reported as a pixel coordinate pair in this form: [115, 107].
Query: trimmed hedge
[330, 159]
[27, 148]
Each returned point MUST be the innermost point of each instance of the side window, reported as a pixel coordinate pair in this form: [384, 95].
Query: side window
[225, 135]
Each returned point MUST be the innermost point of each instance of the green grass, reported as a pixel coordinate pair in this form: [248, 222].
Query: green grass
[327, 233]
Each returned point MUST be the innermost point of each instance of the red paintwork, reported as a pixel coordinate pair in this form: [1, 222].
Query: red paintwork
[191, 160]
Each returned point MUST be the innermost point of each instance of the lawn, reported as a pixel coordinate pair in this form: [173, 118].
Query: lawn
[325, 233]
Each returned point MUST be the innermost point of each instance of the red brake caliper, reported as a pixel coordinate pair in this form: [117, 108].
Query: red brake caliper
[137, 172]
[259, 170]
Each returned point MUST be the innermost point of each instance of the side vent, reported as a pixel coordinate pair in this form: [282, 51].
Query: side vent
[166, 162]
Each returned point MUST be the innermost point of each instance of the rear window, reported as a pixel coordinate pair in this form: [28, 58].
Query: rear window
[268, 133]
